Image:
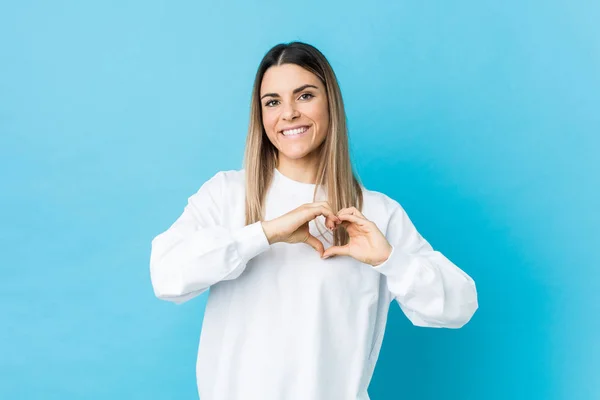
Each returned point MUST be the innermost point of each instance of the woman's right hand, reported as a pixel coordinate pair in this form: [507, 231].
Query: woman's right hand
[293, 226]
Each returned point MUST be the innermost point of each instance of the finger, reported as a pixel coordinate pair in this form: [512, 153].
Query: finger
[332, 221]
[336, 251]
[322, 204]
[328, 213]
[353, 218]
[352, 211]
[343, 224]
[308, 213]
[324, 208]
[315, 244]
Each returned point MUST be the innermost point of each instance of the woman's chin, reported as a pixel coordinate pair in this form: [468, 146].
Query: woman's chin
[295, 154]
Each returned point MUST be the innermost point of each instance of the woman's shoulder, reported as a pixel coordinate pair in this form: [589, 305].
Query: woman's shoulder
[223, 181]
[378, 198]
[226, 177]
[229, 177]
[378, 203]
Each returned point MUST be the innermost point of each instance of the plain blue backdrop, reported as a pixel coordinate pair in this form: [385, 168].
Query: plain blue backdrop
[481, 118]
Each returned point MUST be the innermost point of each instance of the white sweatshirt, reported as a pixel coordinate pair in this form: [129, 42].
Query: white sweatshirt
[280, 322]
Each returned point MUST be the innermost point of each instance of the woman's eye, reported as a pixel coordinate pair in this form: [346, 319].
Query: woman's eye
[303, 96]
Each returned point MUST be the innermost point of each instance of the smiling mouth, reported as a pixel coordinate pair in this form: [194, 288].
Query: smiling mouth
[294, 132]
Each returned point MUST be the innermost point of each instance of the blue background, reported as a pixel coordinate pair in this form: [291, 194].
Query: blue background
[481, 118]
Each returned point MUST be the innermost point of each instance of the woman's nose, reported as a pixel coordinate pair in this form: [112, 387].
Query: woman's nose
[289, 112]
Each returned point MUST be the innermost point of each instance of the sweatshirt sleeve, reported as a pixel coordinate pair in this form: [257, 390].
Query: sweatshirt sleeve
[430, 289]
[197, 251]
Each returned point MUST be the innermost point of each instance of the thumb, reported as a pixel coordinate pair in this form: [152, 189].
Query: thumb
[315, 244]
[336, 251]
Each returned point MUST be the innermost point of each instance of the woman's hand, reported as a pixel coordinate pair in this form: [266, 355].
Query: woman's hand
[293, 226]
[366, 244]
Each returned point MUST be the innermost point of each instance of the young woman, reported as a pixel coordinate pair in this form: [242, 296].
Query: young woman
[302, 261]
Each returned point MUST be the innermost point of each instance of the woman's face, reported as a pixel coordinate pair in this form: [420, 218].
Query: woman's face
[295, 113]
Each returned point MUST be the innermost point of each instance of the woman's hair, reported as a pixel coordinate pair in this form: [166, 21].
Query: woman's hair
[334, 171]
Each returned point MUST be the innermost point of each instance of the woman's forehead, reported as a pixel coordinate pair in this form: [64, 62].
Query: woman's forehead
[287, 77]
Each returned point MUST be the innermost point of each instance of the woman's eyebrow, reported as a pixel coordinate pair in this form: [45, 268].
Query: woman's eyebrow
[301, 88]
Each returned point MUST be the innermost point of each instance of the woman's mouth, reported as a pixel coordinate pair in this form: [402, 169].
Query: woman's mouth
[296, 132]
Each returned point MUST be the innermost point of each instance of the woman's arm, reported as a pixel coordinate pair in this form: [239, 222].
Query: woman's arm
[197, 251]
[430, 289]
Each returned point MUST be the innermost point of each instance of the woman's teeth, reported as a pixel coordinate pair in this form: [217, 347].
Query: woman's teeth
[295, 131]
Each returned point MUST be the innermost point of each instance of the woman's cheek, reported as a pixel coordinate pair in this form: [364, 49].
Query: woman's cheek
[269, 124]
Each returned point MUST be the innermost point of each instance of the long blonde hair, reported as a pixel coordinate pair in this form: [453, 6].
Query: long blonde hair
[334, 172]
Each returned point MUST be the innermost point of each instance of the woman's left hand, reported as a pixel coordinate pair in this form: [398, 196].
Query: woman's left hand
[366, 244]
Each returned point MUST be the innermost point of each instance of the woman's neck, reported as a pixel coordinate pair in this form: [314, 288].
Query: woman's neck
[302, 170]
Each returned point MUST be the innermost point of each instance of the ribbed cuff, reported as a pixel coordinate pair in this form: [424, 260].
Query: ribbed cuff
[251, 240]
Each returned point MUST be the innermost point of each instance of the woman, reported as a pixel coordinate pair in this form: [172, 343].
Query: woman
[301, 259]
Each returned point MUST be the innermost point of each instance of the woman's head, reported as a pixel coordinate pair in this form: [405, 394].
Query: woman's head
[295, 86]
[275, 106]
[294, 109]
[284, 70]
